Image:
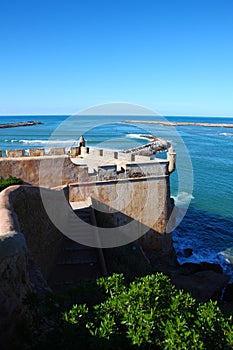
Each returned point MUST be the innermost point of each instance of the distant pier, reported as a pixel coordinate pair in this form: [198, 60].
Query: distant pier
[223, 125]
[15, 125]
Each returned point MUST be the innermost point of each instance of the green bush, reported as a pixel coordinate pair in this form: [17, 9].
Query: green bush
[148, 313]
[4, 183]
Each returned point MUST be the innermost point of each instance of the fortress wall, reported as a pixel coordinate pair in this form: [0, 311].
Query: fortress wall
[152, 168]
[48, 171]
[57, 151]
[143, 194]
[144, 200]
[42, 238]
[36, 152]
[29, 244]
[149, 239]
[15, 281]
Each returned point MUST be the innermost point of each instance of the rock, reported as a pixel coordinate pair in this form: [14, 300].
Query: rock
[203, 285]
[228, 293]
[190, 268]
[188, 252]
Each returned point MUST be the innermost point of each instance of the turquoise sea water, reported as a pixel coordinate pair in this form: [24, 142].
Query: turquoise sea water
[208, 225]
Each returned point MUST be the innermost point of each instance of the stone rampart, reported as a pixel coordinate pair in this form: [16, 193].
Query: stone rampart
[47, 171]
[29, 245]
[36, 152]
[135, 185]
[140, 193]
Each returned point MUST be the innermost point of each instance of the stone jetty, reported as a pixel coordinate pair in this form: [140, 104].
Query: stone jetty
[217, 125]
[156, 144]
[15, 125]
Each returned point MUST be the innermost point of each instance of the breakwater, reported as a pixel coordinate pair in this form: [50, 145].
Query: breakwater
[15, 125]
[156, 144]
[216, 125]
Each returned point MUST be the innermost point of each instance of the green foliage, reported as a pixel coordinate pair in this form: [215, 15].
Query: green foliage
[4, 183]
[148, 313]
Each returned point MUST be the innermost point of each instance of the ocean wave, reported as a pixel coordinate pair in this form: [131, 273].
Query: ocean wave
[46, 142]
[225, 260]
[228, 255]
[226, 134]
[137, 136]
[183, 198]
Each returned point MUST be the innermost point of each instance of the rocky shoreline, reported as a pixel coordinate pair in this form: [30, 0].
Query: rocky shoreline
[204, 281]
[18, 124]
[217, 125]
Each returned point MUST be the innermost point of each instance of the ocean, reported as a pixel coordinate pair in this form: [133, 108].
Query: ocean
[206, 232]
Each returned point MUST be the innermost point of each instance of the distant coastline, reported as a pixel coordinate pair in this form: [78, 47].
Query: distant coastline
[224, 125]
[15, 125]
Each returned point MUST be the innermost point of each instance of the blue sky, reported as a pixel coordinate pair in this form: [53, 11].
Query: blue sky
[174, 56]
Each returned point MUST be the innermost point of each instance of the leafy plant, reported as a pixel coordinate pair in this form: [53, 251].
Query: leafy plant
[4, 183]
[148, 313]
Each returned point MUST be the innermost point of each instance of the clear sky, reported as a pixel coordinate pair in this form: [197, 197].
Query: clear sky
[60, 56]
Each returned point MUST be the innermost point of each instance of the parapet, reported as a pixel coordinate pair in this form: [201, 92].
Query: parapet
[14, 153]
[40, 152]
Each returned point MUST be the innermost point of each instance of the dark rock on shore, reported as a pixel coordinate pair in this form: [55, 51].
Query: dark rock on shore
[203, 281]
[203, 285]
[228, 293]
[190, 268]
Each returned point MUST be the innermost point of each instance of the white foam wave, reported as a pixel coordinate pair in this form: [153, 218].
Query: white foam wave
[228, 255]
[46, 142]
[137, 136]
[226, 134]
[183, 199]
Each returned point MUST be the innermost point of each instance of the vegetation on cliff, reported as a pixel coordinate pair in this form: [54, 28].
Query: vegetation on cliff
[147, 313]
[4, 183]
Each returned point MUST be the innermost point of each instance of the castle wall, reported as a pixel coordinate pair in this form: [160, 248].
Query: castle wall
[47, 171]
[141, 193]
[132, 184]
[42, 237]
[29, 247]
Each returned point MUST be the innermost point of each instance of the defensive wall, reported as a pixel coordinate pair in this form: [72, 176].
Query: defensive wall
[29, 247]
[121, 186]
[133, 185]
[130, 185]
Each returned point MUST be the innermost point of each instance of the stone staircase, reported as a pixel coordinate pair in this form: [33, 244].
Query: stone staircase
[76, 262]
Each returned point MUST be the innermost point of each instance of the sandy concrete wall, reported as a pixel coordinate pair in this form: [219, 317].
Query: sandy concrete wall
[49, 171]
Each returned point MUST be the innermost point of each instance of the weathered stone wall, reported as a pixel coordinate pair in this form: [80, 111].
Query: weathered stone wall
[42, 237]
[29, 244]
[141, 193]
[13, 254]
[49, 171]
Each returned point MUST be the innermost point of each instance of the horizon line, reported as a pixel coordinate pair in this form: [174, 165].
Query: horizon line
[128, 115]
